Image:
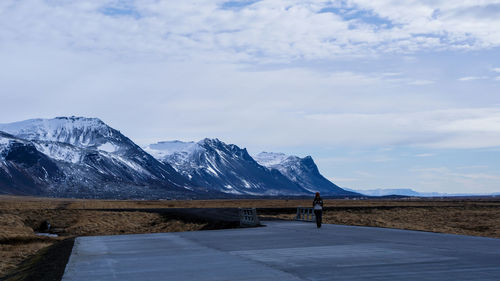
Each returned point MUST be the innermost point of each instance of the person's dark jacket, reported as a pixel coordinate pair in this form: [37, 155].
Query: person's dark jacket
[318, 201]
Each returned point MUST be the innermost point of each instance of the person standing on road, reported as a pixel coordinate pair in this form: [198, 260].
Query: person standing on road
[318, 209]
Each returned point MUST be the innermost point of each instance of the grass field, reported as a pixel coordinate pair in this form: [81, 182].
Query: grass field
[22, 216]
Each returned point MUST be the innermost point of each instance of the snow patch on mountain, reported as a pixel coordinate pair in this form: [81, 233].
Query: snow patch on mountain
[231, 190]
[286, 164]
[6, 141]
[177, 152]
[60, 151]
[246, 183]
[131, 164]
[166, 148]
[4, 144]
[109, 147]
[269, 159]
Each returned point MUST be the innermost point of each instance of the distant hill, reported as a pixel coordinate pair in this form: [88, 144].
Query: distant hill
[411, 192]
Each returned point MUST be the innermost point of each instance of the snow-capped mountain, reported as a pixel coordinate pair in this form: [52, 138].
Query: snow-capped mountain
[94, 159]
[223, 167]
[302, 171]
[84, 157]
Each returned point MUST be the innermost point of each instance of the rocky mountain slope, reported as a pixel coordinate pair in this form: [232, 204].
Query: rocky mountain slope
[23, 169]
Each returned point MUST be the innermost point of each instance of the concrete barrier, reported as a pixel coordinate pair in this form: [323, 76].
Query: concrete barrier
[248, 217]
[305, 214]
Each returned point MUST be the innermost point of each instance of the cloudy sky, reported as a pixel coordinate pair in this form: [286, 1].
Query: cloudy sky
[383, 94]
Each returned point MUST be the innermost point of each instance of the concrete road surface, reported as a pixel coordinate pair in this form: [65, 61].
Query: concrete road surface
[286, 251]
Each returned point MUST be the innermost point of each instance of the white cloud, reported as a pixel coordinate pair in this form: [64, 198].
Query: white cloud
[496, 69]
[471, 78]
[392, 74]
[473, 167]
[336, 160]
[364, 174]
[341, 181]
[424, 155]
[421, 82]
[263, 31]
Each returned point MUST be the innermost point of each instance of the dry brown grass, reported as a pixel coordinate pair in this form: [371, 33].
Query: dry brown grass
[477, 220]
[12, 255]
[25, 203]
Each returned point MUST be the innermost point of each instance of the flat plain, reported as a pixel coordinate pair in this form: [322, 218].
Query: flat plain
[21, 218]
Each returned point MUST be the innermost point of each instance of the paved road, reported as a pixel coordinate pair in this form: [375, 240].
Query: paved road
[286, 251]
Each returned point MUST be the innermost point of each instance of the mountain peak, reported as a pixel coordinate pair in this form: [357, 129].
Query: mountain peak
[163, 149]
[77, 131]
[302, 171]
[55, 124]
[78, 118]
[268, 159]
[210, 141]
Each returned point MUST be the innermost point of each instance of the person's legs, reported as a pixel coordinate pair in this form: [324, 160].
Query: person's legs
[318, 214]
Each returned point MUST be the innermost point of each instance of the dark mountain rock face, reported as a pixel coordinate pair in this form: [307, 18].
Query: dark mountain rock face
[91, 160]
[23, 169]
[223, 167]
[302, 171]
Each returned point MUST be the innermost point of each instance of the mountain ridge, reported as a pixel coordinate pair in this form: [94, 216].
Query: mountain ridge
[84, 157]
[189, 158]
[223, 167]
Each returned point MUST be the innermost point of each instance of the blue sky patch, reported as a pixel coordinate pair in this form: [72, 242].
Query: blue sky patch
[360, 16]
[236, 5]
[122, 8]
